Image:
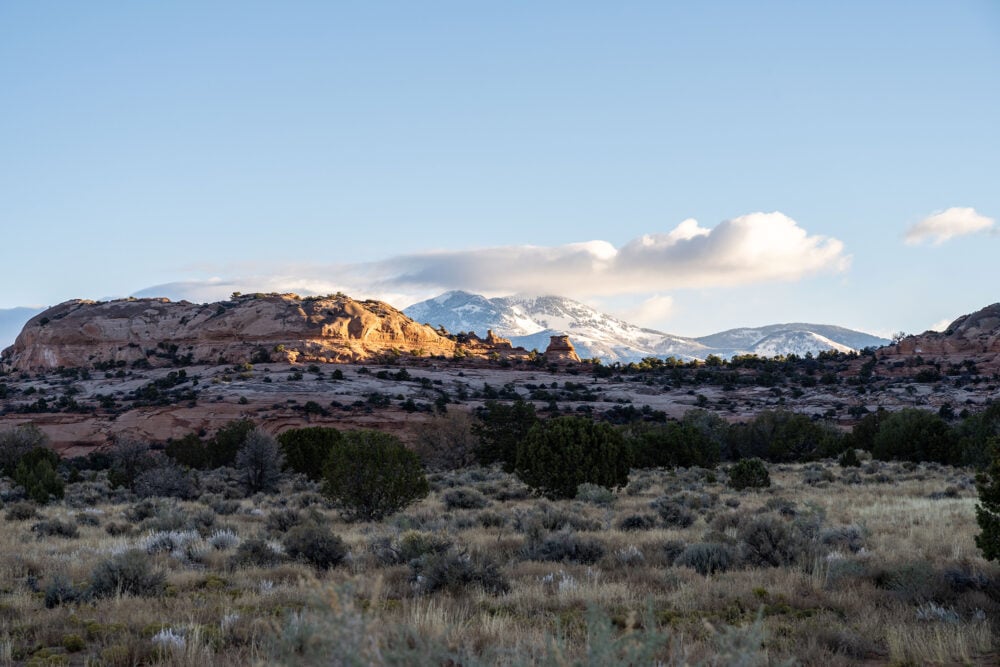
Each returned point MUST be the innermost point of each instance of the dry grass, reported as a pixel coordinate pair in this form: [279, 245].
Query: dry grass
[914, 591]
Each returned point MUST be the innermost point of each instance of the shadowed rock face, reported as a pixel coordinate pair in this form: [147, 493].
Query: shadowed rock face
[975, 336]
[253, 327]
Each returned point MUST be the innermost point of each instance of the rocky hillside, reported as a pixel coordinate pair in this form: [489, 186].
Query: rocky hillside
[530, 321]
[248, 328]
[974, 337]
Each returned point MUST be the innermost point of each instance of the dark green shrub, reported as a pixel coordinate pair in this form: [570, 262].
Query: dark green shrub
[547, 516]
[456, 572]
[988, 509]
[226, 443]
[220, 505]
[87, 519]
[672, 513]
[915, 435]
[255, 552]
[847, 538]
[21, 512]
[863, 434]
[672, 444]
[142, 510]
[559, 455]
[190, 451]
[370, 475]
[36, 473]
[501, 428]
[61, 590]
[912, 582]
[595, 495]
[73, 643]
[415, 544]
[976, 434]
[565, 546]
[749, 474]
[306, 449]
[128, 573]
[637, 522]
[315, 545]
[849, 459]
[706, 557]
[18, 441]
[55, 528]
[780, 435]
[489, 519]
[463, 498]
[768, 541]
[283, 520]
[671, 549]
[129, 458]
[115, 528]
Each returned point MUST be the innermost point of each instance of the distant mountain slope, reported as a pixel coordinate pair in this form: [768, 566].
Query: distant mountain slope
[759, 340]
[12, 321]
[794, 342]
[529, 321]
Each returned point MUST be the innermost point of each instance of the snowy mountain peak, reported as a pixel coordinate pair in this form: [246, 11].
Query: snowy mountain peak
[529, 321]
[784, 343]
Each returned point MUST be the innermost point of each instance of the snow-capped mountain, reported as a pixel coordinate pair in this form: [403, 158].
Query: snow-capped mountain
[795, 338]
[794, 342]
[529, 321]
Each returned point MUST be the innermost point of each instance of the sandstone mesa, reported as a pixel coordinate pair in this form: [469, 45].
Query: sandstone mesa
[247, 328]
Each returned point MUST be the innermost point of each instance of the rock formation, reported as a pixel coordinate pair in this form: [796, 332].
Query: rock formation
[497, 342]
[249, 328]
[975, 337]
[560, 349]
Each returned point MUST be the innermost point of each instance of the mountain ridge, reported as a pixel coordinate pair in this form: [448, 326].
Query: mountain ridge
[528, 321]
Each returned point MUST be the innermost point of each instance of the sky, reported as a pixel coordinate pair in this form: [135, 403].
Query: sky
[689, 166]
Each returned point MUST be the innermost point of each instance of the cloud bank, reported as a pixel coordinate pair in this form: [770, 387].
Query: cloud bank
[651, 312]
[750, 249]
[947, 224]
[760, 247]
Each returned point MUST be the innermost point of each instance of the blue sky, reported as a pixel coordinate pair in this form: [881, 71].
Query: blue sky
[399, 149]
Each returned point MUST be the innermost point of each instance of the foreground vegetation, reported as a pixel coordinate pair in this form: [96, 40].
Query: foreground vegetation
[511, 536]
[828, 565]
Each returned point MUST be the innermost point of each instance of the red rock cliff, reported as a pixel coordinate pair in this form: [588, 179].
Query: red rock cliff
[276, 326]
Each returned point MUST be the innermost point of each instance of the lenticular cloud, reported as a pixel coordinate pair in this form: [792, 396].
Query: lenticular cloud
[750, 249]
[754, 248]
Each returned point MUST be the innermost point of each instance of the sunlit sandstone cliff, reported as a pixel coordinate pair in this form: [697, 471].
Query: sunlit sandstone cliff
[247, 328]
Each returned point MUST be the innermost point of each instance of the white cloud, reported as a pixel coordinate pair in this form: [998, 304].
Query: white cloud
[760, 247]
[653, 312]
[947, 224]
[942, 325]
[219, 289]
[750, 249]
